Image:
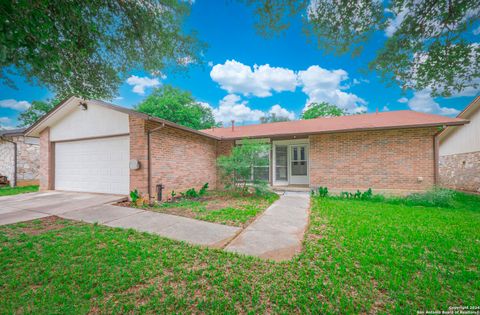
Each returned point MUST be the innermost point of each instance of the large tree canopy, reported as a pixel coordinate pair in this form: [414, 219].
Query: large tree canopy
[323, 109]
[85, 47]
[36, 111]
[429, 45]
[177, 106]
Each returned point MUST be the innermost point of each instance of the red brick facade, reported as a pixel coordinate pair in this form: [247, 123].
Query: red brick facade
[400, 159]
[181, 160]
[139, 151]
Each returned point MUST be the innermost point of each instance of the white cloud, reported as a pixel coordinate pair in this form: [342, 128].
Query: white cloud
[422, 101]
[4, 120]
[210, 64]
[385, 108]
[402, 100]
[476, 31]
[279, 111]
[322, 85]
[231, 107]
[141, 83]
[14, 104]
[394, 23]
[235, 77]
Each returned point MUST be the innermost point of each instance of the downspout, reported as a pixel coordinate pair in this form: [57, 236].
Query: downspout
[14, 160]
[149, 133]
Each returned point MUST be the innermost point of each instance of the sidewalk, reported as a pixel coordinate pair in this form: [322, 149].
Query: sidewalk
[278, 233]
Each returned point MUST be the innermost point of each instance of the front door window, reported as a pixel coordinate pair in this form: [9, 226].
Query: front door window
[299, 161]
[281, 162]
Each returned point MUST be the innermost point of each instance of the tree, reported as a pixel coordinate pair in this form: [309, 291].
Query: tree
[429, 45]
[85, 48]
[322, 110]
[177, 106]
[36, 111]
[272, 117]
[237, 168]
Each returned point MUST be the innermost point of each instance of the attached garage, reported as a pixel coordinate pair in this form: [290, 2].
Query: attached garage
[89, 148]
[96, 165]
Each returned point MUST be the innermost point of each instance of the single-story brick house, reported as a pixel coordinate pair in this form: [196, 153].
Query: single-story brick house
[94, 146]
[19, 157]
[460, 151]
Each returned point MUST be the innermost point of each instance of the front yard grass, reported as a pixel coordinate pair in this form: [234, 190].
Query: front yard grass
[225, 207]
[7, 191]
[358, 257]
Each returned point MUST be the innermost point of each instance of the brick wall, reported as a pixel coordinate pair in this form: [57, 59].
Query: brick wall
[138, 151]
[46, 161]
[387, 159]
[182, 160]
[460, 171]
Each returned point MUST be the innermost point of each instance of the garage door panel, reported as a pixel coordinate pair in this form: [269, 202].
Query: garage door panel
[97, 165]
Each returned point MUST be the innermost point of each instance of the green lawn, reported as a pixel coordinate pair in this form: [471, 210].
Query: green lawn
[358, 257]
[7, 191]
[223, 207]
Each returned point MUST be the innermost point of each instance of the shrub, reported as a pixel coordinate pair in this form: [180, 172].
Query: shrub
[436, 197]
[320, 192]
[190, 194]
[203, 190]
[134, 196]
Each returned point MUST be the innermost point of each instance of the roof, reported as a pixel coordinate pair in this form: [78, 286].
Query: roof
[464, 114]
[12, 132]
[374, 121]
[66, 105]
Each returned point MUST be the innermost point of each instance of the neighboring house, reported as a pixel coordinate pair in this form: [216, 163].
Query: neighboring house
[19, 157]
[94, 146]
[460, 152]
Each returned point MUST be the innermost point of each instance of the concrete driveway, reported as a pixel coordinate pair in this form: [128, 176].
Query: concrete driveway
[26, 207]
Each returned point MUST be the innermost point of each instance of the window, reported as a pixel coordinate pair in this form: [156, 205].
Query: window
[262, 171]
[281, 162]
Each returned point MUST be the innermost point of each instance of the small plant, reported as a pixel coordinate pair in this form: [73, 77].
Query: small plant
[367, 194]
[322, 191]
[190, 194]
[134, 196]
[203, 190]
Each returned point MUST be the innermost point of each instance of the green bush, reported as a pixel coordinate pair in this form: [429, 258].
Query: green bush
[203, 190]
[320, 192]
[134, 195]
[436, 197]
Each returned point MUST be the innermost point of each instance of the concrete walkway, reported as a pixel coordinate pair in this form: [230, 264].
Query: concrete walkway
[97, 208]
[278, 233]
[175, 227]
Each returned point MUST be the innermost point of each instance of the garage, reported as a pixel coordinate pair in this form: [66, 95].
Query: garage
[95, 165]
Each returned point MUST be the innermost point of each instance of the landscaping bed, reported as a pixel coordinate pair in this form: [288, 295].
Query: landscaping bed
[225, 207]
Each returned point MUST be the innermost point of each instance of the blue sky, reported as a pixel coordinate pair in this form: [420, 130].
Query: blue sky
[246, 76]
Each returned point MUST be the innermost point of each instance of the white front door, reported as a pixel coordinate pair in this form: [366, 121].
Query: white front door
[298, 164]
[96, 165]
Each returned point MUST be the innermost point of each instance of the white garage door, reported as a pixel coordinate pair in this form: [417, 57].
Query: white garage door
[99, 165]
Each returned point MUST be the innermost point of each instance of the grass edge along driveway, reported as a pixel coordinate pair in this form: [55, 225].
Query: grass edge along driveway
[358, 257]
[10, 191]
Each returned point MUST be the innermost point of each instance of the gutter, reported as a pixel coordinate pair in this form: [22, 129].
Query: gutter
[14, 160]
[149, 133]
